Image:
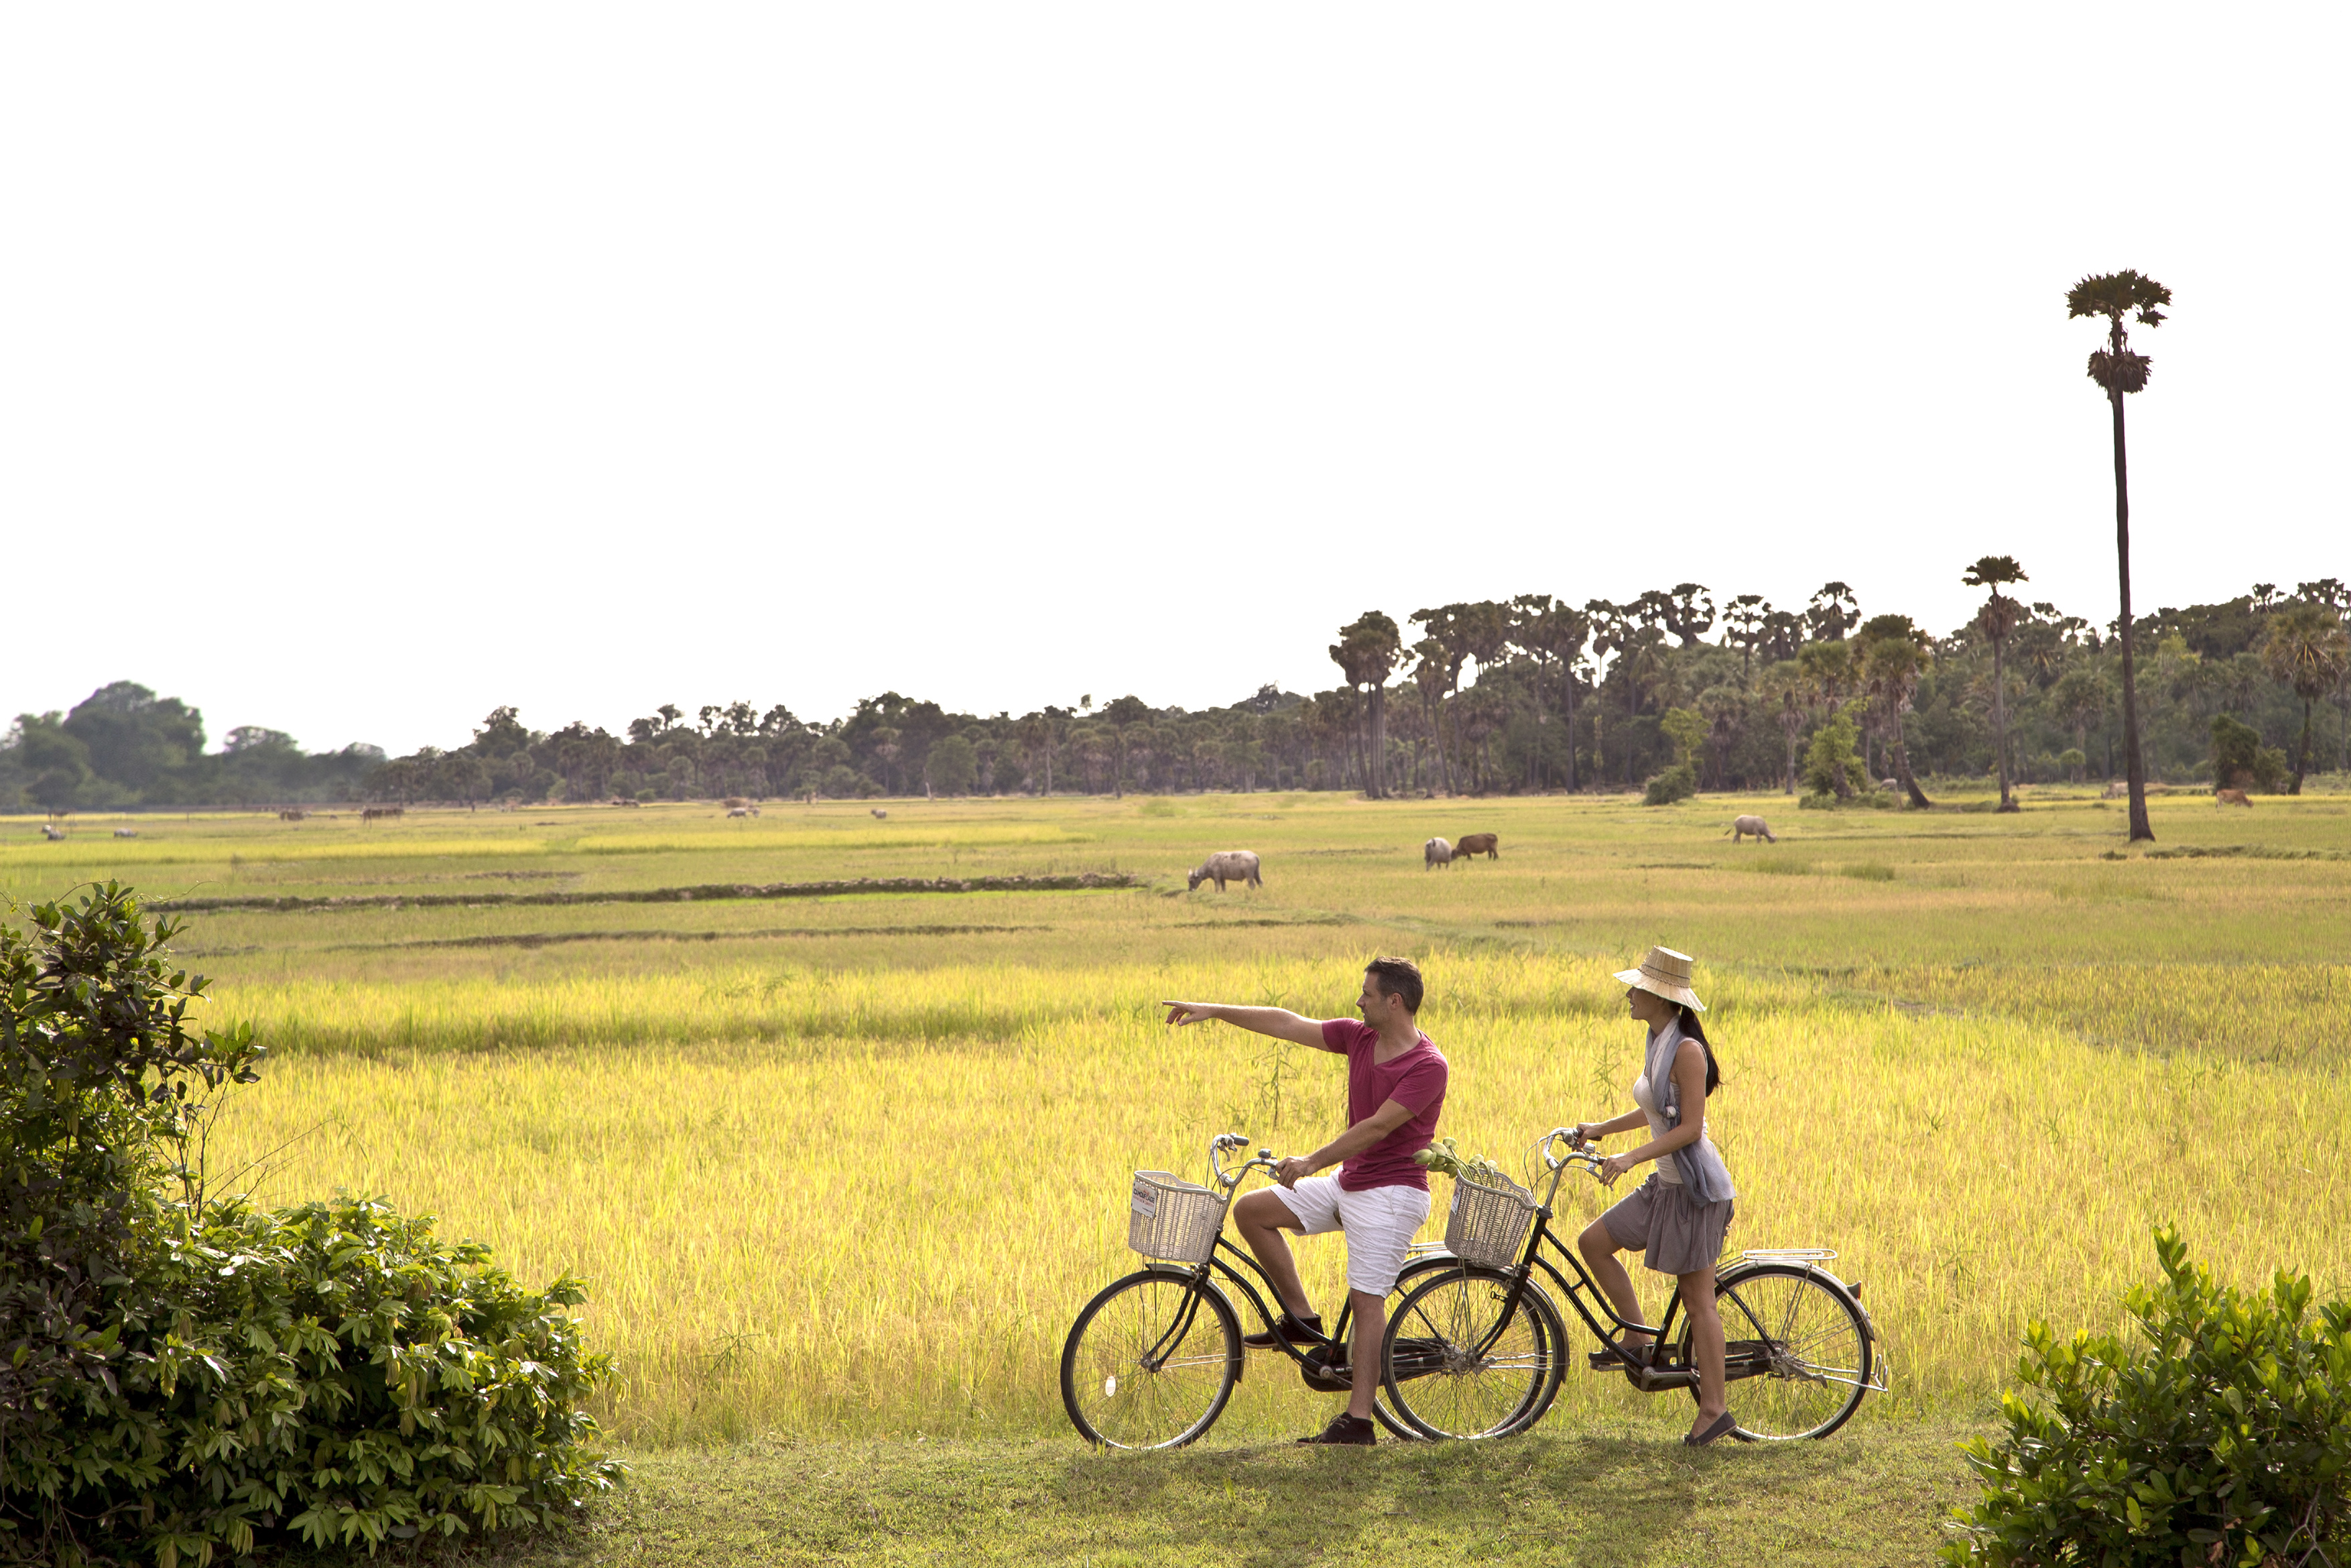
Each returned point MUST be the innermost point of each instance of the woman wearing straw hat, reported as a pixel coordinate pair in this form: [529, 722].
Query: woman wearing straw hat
[1679, 1215]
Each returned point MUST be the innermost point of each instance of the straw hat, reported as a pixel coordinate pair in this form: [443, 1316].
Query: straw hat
[1664, 973]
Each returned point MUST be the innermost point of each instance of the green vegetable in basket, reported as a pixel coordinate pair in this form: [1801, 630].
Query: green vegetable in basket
[1444, 1158]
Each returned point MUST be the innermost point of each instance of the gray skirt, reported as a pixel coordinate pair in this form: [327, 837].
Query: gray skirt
[1678, 1234]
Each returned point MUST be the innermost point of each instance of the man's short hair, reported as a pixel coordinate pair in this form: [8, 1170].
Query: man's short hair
[1397, 978]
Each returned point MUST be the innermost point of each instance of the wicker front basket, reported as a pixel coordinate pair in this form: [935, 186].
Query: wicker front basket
[1489, 1220]
[1173, 1220]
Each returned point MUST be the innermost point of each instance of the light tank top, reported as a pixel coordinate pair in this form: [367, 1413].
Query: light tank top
[1658, 1128]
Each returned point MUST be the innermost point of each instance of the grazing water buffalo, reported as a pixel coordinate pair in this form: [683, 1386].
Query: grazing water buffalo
[1436, 853]
[879, 813]
[1227, 865]
[52, 832]
[126, 833]
[1743, 826]
[1487, 844]
[2231, 798]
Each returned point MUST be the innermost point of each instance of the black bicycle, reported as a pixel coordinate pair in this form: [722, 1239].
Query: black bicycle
[1477, 1348]
[1153, 1358]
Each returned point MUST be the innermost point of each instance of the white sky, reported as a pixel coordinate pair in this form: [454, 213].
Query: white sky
[361, 369]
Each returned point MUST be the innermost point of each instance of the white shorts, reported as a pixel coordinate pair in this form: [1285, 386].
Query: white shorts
[1379, 1222]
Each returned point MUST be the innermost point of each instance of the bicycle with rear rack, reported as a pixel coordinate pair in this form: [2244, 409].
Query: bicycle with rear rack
[1477, 1348]
[1152, 1361]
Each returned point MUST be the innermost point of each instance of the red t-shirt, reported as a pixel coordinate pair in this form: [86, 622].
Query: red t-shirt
[1414, 1080]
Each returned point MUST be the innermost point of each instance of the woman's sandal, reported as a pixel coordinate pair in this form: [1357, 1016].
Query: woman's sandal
[1724, 1425]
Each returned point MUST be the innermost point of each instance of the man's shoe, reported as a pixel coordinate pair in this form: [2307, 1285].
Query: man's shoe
[1297, 1331]
[1355, 1431]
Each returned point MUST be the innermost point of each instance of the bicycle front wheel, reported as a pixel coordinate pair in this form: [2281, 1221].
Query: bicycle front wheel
[1796, 1351]
[1151, 1361]
[1454, 1366]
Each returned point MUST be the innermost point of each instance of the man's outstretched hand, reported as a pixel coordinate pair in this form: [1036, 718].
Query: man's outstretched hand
[1182, 1013]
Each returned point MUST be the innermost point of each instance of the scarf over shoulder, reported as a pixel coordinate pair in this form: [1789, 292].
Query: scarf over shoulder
[1699, 1164]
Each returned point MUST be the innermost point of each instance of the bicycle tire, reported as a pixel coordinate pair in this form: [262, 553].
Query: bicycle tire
[1115, 1397]
[1449, 1377]
[1798, 1352]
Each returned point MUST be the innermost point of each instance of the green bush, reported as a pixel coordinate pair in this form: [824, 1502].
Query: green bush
[2240, 760]
[1678, 782]
[2221, 1435]
[1832, 763]
[182, 1376]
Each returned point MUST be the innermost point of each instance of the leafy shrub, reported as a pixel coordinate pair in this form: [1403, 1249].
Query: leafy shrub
[2240, 760]
[179, 1374]
[2222, 1438]
[1678, 782]
[1832, 764]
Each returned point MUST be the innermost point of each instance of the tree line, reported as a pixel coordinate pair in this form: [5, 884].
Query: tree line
[1508, 696]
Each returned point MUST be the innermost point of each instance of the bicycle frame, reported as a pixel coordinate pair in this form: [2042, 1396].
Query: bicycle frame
[1647, 1379]
[1202, 1274]
[1586, 1293]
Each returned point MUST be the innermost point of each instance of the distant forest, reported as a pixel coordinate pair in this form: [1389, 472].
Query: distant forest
[1497, 695]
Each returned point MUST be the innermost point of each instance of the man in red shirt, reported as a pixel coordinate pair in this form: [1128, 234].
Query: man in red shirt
[1396, 1087]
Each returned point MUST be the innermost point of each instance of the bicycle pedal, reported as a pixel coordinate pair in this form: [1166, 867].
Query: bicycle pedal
[1657, 1379]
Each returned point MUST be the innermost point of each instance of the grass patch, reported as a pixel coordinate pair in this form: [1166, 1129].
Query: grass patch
[1602, 1499]
[1867, 871]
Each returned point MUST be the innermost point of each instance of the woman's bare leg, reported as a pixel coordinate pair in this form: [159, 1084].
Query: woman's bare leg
[1706, 1346]
[1599, 1249]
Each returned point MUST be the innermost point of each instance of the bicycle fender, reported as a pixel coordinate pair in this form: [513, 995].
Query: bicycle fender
[1868, 1324]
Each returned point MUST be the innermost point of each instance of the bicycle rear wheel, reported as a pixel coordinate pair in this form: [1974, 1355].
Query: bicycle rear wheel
[1797, 1352]
[1453, 1367]
[1151, 1361]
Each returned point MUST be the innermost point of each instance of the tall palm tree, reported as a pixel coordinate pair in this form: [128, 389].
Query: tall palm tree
[1433, 671]
[2332, 592]
[1827, 668]
[1893, 656]
[1123, 713]
[1547, 629]
[1743, 624]
[1366, 653]
[1784, 690]
[2120, 372]
[2307, 649]
[1998, 618]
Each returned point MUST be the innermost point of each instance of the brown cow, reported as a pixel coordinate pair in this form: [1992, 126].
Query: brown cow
[2231, 798]
[1487, 844]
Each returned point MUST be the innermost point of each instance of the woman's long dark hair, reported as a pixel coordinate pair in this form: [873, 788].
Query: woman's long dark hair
[1696, 1031]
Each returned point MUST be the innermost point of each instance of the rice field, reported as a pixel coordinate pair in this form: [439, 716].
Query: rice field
[846, 1165]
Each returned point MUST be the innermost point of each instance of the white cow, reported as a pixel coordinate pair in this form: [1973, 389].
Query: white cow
[1436, 853]
[52, 832]
[879, 812]
[1235, 865]
[1743, 826]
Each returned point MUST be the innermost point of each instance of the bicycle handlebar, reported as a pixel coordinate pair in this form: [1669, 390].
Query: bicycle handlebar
[1232, 1178]
[1577, 1153]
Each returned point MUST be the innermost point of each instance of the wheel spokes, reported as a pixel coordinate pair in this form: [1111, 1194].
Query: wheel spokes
[1151, 1365]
